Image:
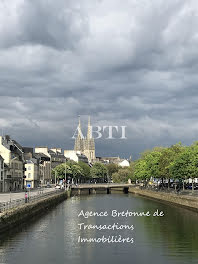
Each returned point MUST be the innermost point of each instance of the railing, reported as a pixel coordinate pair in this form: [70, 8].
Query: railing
[100, 185]
[4, 206]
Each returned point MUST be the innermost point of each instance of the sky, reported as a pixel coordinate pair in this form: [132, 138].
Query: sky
[130, 63]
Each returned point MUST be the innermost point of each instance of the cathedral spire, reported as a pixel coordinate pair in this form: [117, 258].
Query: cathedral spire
[79, 141]
[89, 130]
[79, 128]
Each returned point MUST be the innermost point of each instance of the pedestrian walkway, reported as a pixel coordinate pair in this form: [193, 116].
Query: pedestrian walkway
[7, 197]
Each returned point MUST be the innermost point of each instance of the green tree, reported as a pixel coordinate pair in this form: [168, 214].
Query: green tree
[86, 169]
[122, 175]
[77, 172]
[112, 168]
[168, 155]
[99, 171]
[148, 165]
[60, 171]
[186, 165]
[141, 172]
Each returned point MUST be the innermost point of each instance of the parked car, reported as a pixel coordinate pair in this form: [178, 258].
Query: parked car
[58, 187]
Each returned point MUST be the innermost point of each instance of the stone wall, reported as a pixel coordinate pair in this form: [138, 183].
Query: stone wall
[16, 216]
[189, 202]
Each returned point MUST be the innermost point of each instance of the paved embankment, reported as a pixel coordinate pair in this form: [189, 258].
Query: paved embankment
[16, 216]
[6, 197]
[187, 201]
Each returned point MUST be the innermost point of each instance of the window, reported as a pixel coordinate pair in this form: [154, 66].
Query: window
[29, 167]
[29, 175]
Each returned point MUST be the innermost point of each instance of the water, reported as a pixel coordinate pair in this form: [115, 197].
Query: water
[53, 238]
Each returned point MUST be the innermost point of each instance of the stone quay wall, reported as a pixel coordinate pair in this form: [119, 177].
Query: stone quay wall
[186, 201]
[13, 217]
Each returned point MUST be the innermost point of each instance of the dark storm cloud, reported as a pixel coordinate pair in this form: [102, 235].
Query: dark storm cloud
[57, 24]
[130, 63]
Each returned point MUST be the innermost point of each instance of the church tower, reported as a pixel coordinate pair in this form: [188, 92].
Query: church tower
[89, 144]
[79, 141]
[85, 145]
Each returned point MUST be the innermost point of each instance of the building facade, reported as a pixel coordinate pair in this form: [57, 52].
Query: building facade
[55, 157]
[12, 153]
[75, 156]
[1, 174]
[44, 168]
[85, 145]
[32, 176]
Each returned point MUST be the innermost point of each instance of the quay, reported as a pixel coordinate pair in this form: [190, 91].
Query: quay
[187, 201]
[11, 217]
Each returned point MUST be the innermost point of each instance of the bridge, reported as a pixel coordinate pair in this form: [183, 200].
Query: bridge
[107, 187]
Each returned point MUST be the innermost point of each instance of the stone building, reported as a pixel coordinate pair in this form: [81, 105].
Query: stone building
[115, 160]
[1, 174]
[85, 145]
[44, 167]
[12, 153]
[55, 157]
[75, 156]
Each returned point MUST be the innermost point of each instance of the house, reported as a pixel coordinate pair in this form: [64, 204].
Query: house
[12, 153]
[115, 160]
[55, 156]
[44, 167]
[32, 179]
[1, 174]
[75, 156]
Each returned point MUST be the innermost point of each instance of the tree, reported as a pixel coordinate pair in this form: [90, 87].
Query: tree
[77, 172]
[122, 175]
[186, 165]
[141, 172]
[99, 171]
[168, 155]
[152, 161]
[148, 165]
[86, 169]
[60, 171]
[112, 168]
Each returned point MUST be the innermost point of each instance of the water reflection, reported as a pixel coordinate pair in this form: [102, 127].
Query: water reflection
[53, 238]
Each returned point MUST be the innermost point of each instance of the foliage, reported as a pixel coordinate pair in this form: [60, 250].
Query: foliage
[186, 164]
[122, 175]
[99, 170]
[86, 169]
[112, 168]
[77, 171]
[60, 171]
[168, 156]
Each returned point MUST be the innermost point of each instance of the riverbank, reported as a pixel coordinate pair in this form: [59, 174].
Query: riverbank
[186, 201]
[13, 217]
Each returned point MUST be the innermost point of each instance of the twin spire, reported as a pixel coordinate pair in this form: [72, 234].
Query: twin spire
[89, 130]
[85, 145]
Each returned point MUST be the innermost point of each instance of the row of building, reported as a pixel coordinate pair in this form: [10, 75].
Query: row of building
[27, 167]
[24, 166]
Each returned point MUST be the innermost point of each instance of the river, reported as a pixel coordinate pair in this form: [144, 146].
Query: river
[53, 238]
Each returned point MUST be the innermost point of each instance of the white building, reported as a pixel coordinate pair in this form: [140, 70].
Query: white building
[75, 156]
[12, 154]
[32, 177]
[124, 163]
